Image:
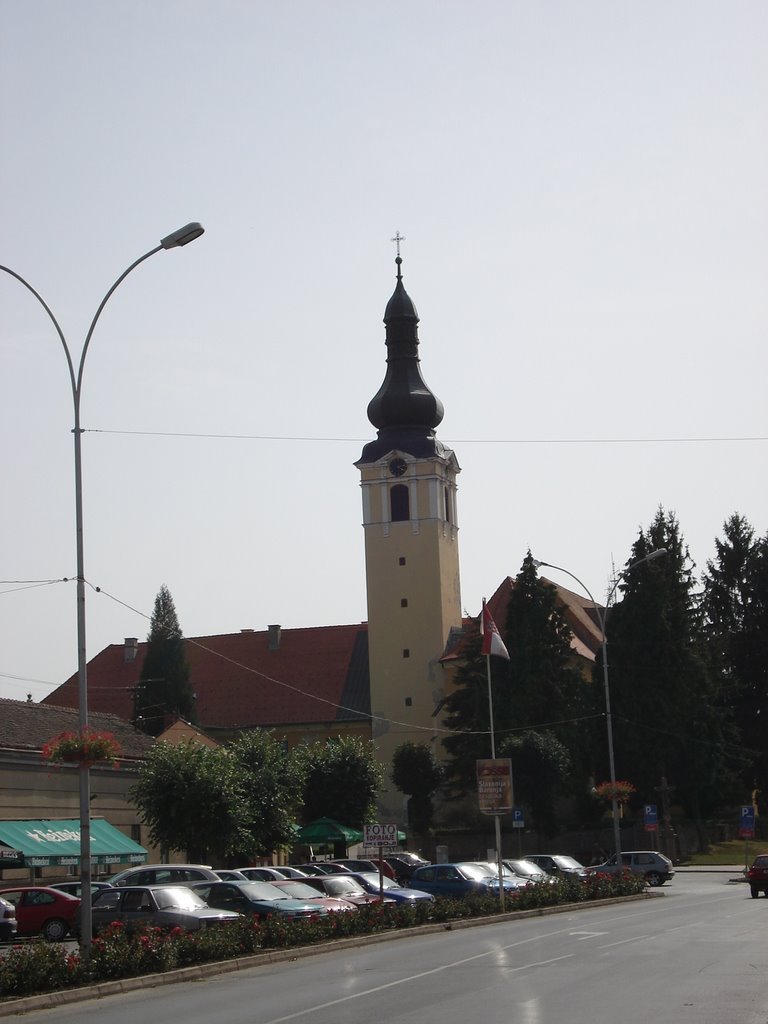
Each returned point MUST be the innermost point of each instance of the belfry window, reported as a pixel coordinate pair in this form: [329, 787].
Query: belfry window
[399, 503]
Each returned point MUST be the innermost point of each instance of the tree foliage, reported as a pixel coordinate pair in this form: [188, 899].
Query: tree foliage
[192, 797]
[219, 802]
[417, 773]
[736, 609]
[663, 690]
[164, 688]
[343, 780]
[538, 691]
[541, 767]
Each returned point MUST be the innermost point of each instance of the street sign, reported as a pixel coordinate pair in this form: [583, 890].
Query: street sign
[747, 822]
[494, 785]
[651, 818]
[380, 835]
[518, 817]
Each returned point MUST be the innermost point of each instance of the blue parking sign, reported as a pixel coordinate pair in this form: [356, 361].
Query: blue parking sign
[518, 818]
[747, 822]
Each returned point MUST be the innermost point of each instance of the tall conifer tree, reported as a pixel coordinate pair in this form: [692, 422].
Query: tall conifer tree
[164, 688]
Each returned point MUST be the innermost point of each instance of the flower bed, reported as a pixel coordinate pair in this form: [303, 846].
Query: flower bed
[45, 967]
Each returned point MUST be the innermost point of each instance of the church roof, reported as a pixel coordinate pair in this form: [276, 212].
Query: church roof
[404, 410]
[273, 677]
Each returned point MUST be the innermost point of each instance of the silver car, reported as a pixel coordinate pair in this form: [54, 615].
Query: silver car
[654, 867]
[160, 906]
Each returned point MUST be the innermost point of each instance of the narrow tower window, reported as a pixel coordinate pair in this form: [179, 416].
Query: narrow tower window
[399, 504]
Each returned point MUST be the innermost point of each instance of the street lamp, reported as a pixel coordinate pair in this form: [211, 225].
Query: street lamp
[601, 614]
[176, 239]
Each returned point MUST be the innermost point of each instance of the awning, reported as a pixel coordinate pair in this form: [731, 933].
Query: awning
[56, 843]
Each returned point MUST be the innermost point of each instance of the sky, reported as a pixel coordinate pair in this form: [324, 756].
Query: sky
[582, 191]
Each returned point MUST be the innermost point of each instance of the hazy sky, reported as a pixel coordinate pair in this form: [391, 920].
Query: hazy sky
[582, 189]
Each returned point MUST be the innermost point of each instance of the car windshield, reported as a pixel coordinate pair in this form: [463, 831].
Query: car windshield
[337, 886]
[262, 891]
[300, 891]
[476, 871]
[525, 867]
[177, 897]
[373, 878]
[568, 862]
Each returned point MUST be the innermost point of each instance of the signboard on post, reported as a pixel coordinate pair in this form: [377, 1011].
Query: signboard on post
[384, 835]
[651, 818]
[747, 822]
[494, 785]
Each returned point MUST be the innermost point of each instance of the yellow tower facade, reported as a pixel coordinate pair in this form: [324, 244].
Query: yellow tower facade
[410, 520]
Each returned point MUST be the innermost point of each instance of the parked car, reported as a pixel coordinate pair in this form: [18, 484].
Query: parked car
[41, 910]
[263, 874]
[372, 882]
[654, 867]
[75, 888]
[322, 867]
[230, 875]
[558, 864]
[344, 887]
[365, 865]
[403, 865]
[260, 898]
[8, 925]
[466, 878]
[298, 889]
[757, 876]
[526, 869]
[289, 871]
[162, 906]
[164, 874]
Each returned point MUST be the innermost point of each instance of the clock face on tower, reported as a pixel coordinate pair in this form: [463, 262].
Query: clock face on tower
[397, 467]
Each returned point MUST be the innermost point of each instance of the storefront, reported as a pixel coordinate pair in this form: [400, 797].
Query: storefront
[56, 843]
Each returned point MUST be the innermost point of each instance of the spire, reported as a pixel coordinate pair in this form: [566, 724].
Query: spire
[404, 410]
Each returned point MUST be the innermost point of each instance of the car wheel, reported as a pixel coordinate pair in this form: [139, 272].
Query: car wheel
[754, 893]
[55, 929]
[654, 878]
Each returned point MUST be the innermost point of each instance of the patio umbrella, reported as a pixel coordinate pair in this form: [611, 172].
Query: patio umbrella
[326, 830]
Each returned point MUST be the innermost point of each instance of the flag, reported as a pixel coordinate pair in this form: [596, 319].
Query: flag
[492, 642]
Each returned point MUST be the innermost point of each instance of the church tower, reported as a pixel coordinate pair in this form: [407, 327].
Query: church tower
[408, 482]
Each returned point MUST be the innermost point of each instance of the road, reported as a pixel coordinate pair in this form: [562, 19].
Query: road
[695, 954]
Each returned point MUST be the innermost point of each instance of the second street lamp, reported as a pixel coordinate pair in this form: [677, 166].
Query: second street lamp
[601, 614]
[176, 239]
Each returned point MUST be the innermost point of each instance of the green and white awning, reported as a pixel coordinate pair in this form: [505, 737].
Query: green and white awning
[56, 843]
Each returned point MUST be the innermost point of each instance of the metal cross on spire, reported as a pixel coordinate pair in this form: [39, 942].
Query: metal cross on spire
[398, 239]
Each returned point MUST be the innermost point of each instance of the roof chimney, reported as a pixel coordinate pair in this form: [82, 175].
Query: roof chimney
[273, 643]
[130, 649]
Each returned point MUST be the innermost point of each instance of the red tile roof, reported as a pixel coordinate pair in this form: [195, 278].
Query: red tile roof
[315, 675]
[25, 725]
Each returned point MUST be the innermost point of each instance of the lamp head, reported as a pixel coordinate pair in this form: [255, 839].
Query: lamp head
[182, 236]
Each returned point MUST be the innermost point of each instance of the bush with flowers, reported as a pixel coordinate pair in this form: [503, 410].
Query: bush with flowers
[620, 791]
[89, 746]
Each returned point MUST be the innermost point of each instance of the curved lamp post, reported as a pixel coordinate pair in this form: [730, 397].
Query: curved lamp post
[601, 614]
[178, 238]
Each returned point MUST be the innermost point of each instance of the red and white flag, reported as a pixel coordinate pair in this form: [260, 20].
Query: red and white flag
[492, 642]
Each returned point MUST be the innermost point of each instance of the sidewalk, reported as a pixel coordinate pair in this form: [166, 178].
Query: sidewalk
[735, 871]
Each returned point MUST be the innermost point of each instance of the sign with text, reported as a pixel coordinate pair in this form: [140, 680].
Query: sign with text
[494, 785]
[380, 835]
[518, 817]
[747, 822]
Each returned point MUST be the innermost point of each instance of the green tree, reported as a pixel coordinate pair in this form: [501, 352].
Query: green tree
[343, 780]
[417, 773]
[736, 609]
[537, 691]
[273, 781]
[541, 766]
[164, 688]
[663, 691]
[193, 799]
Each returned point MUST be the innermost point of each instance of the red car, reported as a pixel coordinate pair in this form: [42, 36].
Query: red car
[757, 876]
[44, 911]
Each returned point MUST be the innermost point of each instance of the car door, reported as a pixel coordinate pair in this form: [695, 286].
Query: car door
[226, 896]
[36, 906]
[138, 907]
[106, 908]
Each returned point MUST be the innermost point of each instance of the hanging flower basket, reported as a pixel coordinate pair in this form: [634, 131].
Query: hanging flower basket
[620, 791]
[86, 747]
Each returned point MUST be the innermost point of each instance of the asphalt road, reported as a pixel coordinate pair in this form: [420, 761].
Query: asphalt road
[696, 954]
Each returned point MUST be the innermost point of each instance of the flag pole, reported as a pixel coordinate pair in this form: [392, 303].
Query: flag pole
[496, 817]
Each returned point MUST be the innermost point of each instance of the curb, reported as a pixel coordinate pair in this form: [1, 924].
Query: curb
[67, 996]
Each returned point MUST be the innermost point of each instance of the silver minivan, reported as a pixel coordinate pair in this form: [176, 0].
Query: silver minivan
[164, 874]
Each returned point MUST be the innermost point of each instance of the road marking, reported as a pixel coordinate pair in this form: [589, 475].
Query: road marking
[416, 977]
[586, 935]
